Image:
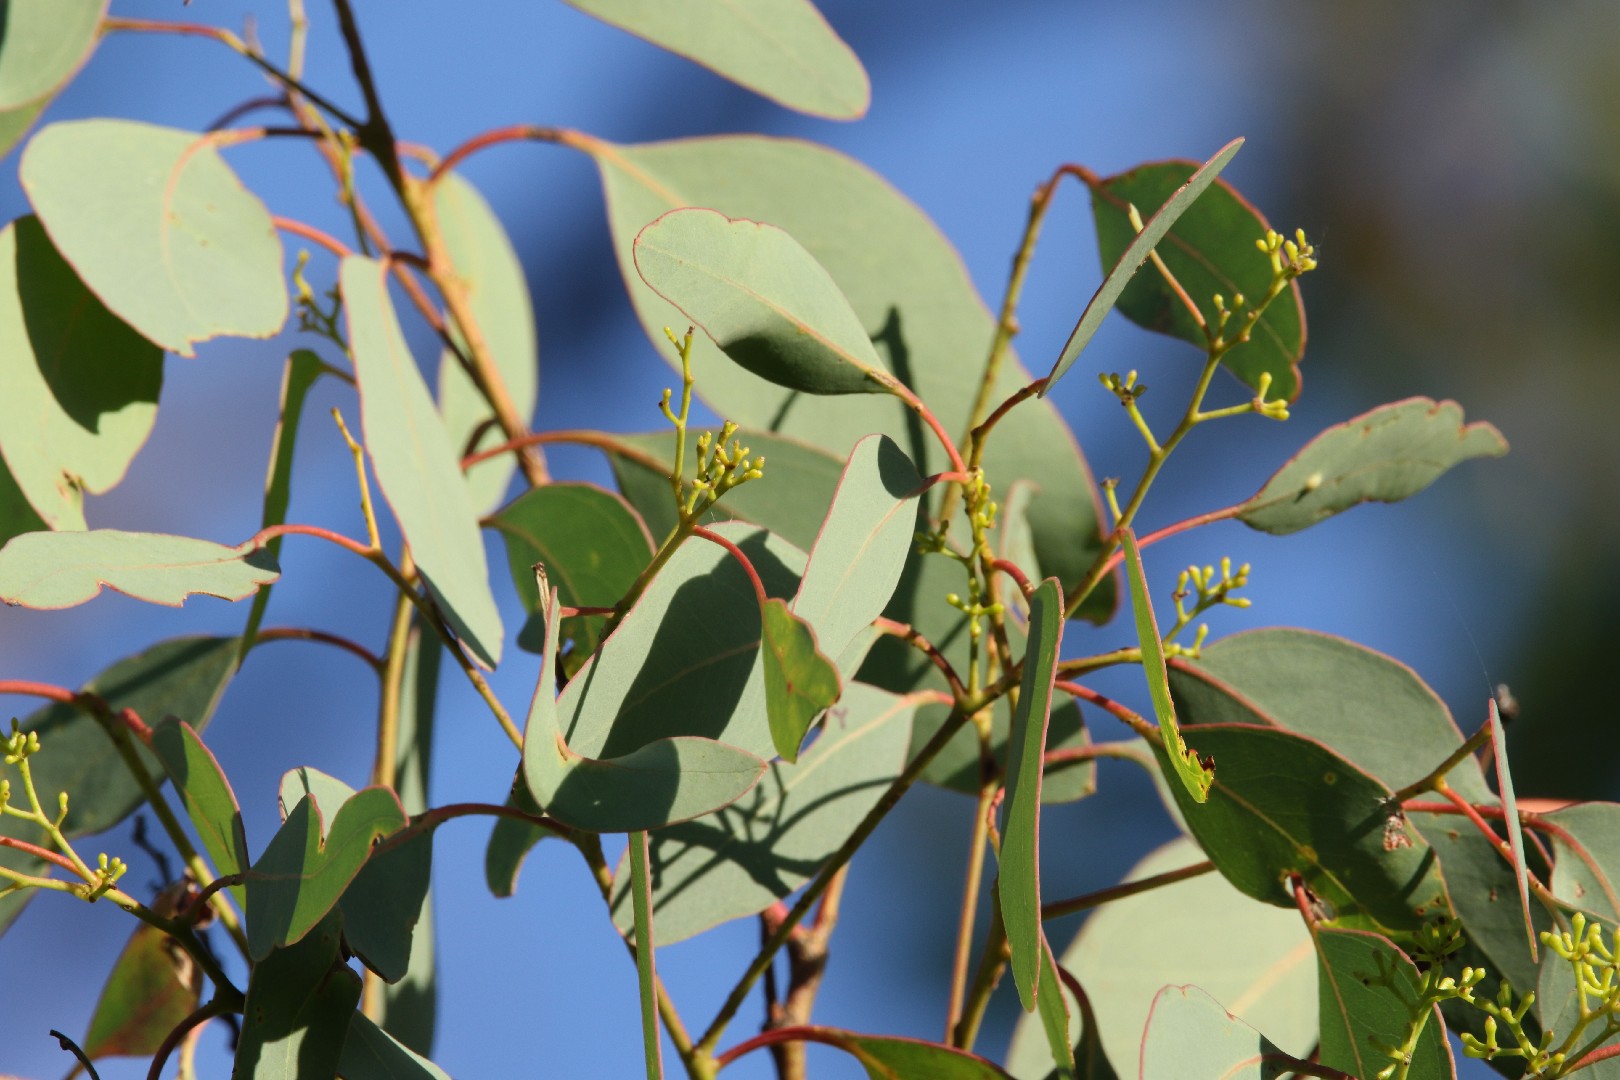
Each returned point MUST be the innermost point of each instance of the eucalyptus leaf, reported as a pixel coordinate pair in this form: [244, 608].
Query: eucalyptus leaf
[50, 570]
[417, 467]
[800, 682]
[160, 228]
[511, 841]
[1189, 1034]
[781, 49]
[1367, 990]
[80, 386]
[43, 44]
[17, 516]
[207, 795]
[1054, 1012]
[370, 1053]
[299, 1002]
[1385, 455]
[1510, 820]
[887, 1057]
[151, 988]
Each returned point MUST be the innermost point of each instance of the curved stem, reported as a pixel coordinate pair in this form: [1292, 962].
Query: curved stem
[305, 633]
[1136, 723]
[738, 554]
[312, 234]
[601, 440]
[901, 630]
[493, 137]
[217, 1006]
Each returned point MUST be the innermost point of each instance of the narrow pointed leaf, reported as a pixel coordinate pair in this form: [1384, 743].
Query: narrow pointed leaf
[800, 682]
[886, 1057]
[1510, 817]
[160, 228]
[646, 974]
[1194, 773]
[1384, 455]
[1210, 249]
[1367, 989]
[1019, 883]
[207, 794]
[763, 299]
[80, 386]
[498, 295]
[1054, 1014]
[781, 49]
[1127, 262]
[740, 860]
[370, 1053]
[1190, 1034]
[65, 569]
[417, 467]
[301, 875]
[42, 45]
[912, 296]
[152, 987]
[299, 1003]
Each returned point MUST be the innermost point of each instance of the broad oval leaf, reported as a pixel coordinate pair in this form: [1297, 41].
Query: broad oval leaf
[1393, 726]
[1210, 249]
[740, 860]
[80, 386]
[300, 1000]
[800, 682]
[49, 570]
[781, 49]
[160, 228]
[763, 299]
[152, 987]
[42, 44]
[417, 467]
[498, 294]
[1019, 883]
[1385, 455]
[912, 296]
[1367, 990]
[1136, 253]
[1255, 957]
[1586, 869]
[1190, 1034]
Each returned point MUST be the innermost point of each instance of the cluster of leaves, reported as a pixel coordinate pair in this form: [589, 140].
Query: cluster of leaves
[750, 653]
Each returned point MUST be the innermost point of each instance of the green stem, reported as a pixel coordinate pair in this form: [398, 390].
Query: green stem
[646, 972]
[970, 903]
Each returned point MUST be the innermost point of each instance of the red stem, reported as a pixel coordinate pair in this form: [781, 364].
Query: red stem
[264, 536]
[493, 137]
[1130, 719]
[1012, 571]
[905, 394]
[311, 233]
[304, 633]
[910, 634]
[39, 690]
[40, 853]
[568, 612]
[736, 553]
[599, 439]
[90, 703]
[1171, 530]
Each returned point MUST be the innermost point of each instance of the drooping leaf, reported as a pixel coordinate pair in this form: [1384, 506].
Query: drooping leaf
[1054, 1013]
[160, 228]
[1392, 725]
[911, 295]
[370, 1053]
[49, 570]
[299, 1002]
[42, 45]
[1194, 773]
[417, 467]
[1510, 818]
[511, 841]
[1019, 882]
[1368, 988]
[887, 1057]
[660, 782]
[152, 987]
[1385, 455]
[740, 860]
[302, 874]
[498, 295]
[1134, 254]
[80, 387]
[763, 299]
[1210, 250]
[1190, 1034]
[781, 49]
[791, 499]
[303, 368]
[207, 795]
[1256, 957]
[800, 682]
[593, 548]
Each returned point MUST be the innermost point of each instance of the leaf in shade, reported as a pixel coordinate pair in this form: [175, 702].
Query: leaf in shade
[1367, 987]
[1189, 1033]
[16, 515]
[511, 841]
[1393, 727]
[207, 794]
[50, 570]
[153, 986]
[781, 49]
[791, 499]
[417, 467]
[1135, 253]
[1255, 956]
[1054, 1013]
[660, 782]
[800, 682]
[763, 299]
[912, 296]
[740, 860]
[1019, 883]
[1210, 250]
[299, 1003]
[80, 387]
[1195, 773]
[592, 545]
[383, 904]
[43, 45]
[302, 874]
[160, 228]
[888, 1057]
[1385, 455]
[370, 1053]
[498, 295]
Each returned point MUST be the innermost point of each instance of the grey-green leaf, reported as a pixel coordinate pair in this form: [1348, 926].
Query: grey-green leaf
[370, 1053]
[1384, 455]
[1190, 1034]
[80, 386]
[299, 1003]
[160, 228]
[763, 299]
[43, 43]
[1135, 254]
[51, 570]
[781, 49]
[207, 794]
[417, 467]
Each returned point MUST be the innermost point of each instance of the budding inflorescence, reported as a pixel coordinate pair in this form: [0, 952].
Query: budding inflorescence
[1289, 258]
[1209, 591]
